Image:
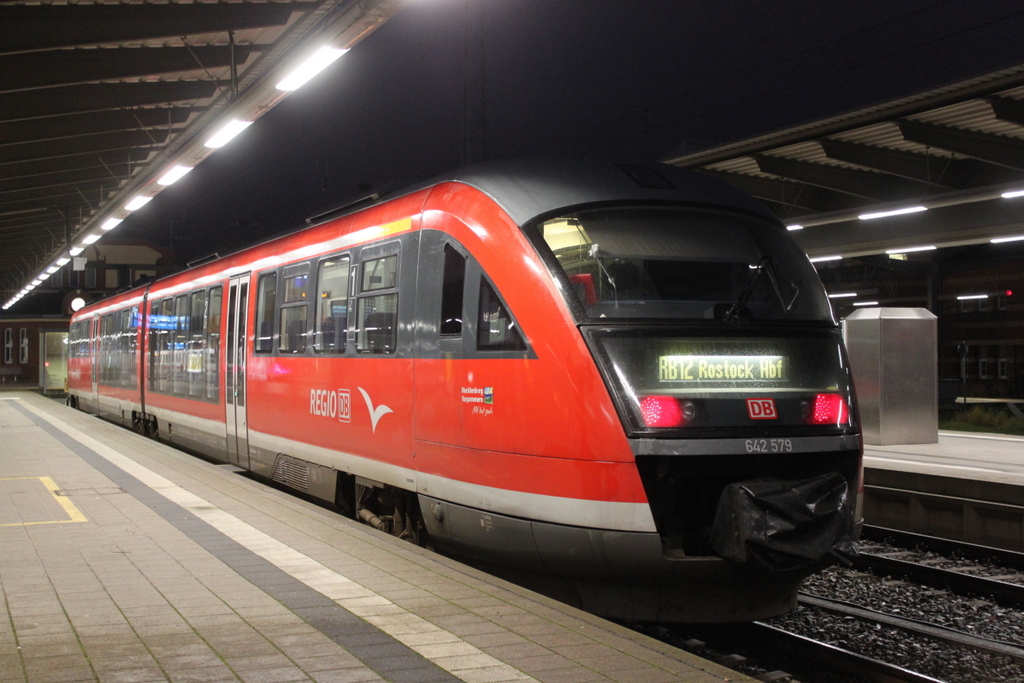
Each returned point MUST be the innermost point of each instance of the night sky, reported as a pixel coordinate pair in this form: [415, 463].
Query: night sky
[625, 79]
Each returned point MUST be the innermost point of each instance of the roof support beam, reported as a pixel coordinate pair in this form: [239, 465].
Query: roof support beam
[84, 143]
[793, 198]
[920, 167]
[26, 28]
[858, 183]
[74, 99]
[995, 149]
[957, 174]
[1009, 110]
[67, 67]
[106, 172]
[58, 128]
[38, 167]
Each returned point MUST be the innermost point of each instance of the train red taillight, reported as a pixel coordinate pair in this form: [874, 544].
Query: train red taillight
[829, 409]
[666, 411]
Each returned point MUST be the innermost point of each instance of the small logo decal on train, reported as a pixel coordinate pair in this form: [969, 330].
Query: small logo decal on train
[327, 403]
[762, 409]
[478, 395]
[375, 413]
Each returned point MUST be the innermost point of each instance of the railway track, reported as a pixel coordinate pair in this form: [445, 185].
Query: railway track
[922, 611]
[904, 563]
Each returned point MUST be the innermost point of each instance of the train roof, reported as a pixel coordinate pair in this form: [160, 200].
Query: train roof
[532, 187]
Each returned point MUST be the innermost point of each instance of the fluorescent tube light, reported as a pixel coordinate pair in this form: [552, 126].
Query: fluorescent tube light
[226, 133]
[842, 295]
[319, 61]
[140, 201]
[1014, 194]
[38, 281]
[63, 261]
[75, 251]
[908, 250]
[90, 239]
[1000, 240]
[52, 269]
[968, 297]
[111, 223]
[174, 175]
[819, 259]
[894, 212]
[795, 226]
[865, 303]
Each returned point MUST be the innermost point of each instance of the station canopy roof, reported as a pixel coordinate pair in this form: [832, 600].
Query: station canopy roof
[954, 151]
[98, 100]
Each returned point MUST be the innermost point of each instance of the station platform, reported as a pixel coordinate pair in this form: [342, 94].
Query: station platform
[967, 487]
[123, 559]
[995, 458]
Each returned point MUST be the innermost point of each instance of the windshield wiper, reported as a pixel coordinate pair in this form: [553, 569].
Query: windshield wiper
[738, 310]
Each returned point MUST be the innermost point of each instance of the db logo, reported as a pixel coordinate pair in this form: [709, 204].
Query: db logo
[761, 409]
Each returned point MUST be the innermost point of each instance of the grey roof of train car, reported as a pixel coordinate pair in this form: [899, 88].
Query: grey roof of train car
[532, 187]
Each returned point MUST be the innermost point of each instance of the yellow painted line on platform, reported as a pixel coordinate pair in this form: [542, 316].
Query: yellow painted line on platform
[73, 512]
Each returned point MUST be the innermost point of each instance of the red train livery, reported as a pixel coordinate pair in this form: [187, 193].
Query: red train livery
[590, 377]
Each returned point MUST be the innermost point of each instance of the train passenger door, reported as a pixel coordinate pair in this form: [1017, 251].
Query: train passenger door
[234, 394]
[441, 340]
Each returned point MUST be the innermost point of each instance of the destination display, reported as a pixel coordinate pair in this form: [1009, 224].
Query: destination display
[708, 368]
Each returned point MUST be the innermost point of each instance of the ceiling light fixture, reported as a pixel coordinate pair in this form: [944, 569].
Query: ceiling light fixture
[226, 133]
[968, 297]
[110, 223]
[137, 203]
[75, 251]
[174, 174]
[1000, 240]
[1013, 194]
[820, 259]
[909, 250]
[865, 303]
[313, 65]
[91, 238]
[894, 212]
[842, 295]
[795, 226]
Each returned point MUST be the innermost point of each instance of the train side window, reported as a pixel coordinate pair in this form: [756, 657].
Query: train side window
[212, 363]
[179, 353]
[8, 345]
[331, 305]
[197, 345]
[378, 312]
[496, 330]
[265, 303]
[453, 284]
[294, 309]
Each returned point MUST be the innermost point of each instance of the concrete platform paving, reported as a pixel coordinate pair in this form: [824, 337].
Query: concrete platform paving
[964, 455]
[122, 559]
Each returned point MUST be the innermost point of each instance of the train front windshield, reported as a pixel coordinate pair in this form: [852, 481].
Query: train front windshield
[690, 313]
[675, 263]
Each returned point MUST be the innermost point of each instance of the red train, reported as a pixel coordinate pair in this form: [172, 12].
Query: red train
[593, 377]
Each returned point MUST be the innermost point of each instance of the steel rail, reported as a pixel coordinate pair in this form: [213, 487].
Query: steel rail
[958, 581]
[836, 658]
[949, 636]
[945, 546]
